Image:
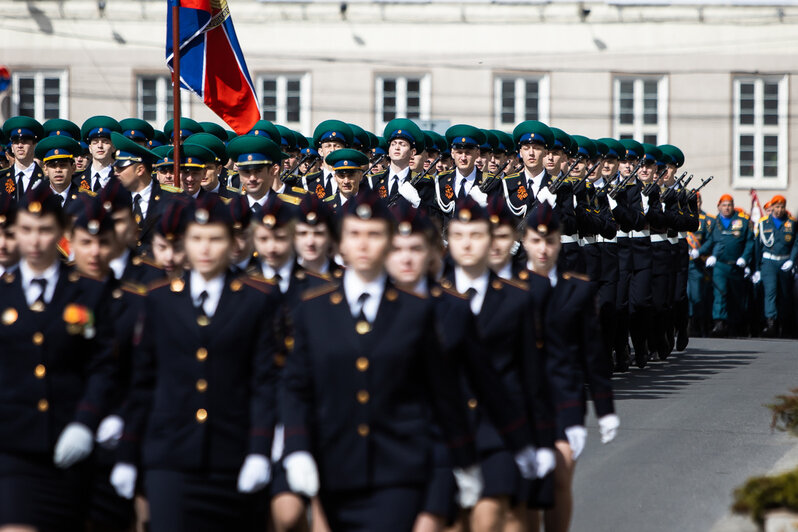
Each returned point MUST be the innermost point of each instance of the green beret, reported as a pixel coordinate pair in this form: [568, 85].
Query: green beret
[563, 141]
[505, 141]
[360, 139]
[214, 129]
[187, 128]
[127, 150]
[252, 150]
[288, 138]
[57, 147]
[465, 136]
[136, 129]
[346, 159]
[614, 148]
[158, 139]
[533, 131]
[23, 126]
[653, 153]
[264, 128]
[164, 156]
[491, 140]
[403, 128]
[332, 130]
[194, 155]
[99, 126]
[230, 134]
[674, 153]
[634, 149]
[212, 143]
[431, 141]
[59, 126]
[584, 146]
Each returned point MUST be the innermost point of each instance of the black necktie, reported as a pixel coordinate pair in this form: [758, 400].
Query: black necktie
[61, 199]
[395, 186]
[43, 285]
[278, 279]
[462, 193]
[328, 185]
[470, 293]
[20, 185]
[203, 297]
[361, 301]
[97, 187]
[256, 208]
[137, 213]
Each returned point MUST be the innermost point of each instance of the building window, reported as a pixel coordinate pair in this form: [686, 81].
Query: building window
[641, 108]
[41, 95]
[401, 97]
[285, 100]
[520, 98]
[154, 99]
[760, 132]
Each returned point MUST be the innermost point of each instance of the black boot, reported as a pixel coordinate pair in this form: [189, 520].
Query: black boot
[622, 360]
[719, 330]
[682, 337]
[771, 329]
[641, 354]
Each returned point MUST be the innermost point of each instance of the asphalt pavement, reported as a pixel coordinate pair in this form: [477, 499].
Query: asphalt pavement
[692, 429]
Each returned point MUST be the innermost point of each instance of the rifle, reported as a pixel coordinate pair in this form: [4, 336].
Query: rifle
[489, 183]
[587, 175]
[555, 185]
[414, 181]
[684, 185]
[673, 189]
[377, 161]
[694, 192]
[649, 188]
[288, 171]
[617, 188]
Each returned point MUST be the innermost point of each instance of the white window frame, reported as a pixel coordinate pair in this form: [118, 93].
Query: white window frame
[163, 89]
[758, 129]
[425, 85]
[38, 77]
[544, 100]
[638, 129]
[282, 78]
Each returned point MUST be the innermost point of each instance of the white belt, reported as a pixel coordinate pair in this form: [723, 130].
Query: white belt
[673, 240]
[603, 240]
[622, 234]
[771, 256]
[645, 233]
[682, 235]
[569, 239]
[587, 240]
[657, 237]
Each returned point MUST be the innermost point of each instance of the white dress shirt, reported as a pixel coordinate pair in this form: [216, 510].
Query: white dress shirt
[325, 266]
[27, 174]
[105, 175]
[144, 203]
[284, 271]
[32, 290]
[398, 178]
[213, 288]
[333, 182]
[552, 274]
[467, 181]
[462, 282]
[119, 264]
[354, 287]
[537, 181]
[252, 201]
[507, 271]
[64, 195]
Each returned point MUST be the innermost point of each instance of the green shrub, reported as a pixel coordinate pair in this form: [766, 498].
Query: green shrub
[760, 494]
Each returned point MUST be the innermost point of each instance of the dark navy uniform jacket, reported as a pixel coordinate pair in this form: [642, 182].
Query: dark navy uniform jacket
[53, 371]
[203, 389]
[357, 395]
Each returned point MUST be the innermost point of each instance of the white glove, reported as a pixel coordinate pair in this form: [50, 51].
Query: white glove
[756, 277]
[612, 202]
[577, 435]
[74, 444]
[278, 442]
[479, 196]
[711, 261]
[301, 473]
[747, 272]
[544, 194]
[525, 460]
[515, 248]
[740, 262]
[787, 266]
[644, 199]
[255, 474]
[410, 193]
[694, 253]
[123, 479]
[110, 432]
[608, 427]
[544, 461]
[469, 485]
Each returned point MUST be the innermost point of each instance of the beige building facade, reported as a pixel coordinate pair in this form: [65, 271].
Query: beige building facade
[717, 78]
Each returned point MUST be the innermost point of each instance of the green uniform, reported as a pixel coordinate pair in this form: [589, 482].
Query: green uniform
[775, 245]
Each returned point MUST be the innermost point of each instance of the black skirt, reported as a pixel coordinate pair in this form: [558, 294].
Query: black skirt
[36, 493]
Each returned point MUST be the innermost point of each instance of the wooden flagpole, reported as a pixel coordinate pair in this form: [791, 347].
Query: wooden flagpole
[176, 87]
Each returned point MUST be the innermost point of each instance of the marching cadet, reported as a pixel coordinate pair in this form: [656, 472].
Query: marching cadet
[9, 250]
[405, 141]
[499, 161]
[315, 236]
[730, 248]
[521, 189]
[328, 136]
[347, 168]
[137, 130]
[243, 259]
[59, 127]
[463, 180]
[289, 144]
[502, 321]
[775, 254]
[273, 236]
[57, 374]
[698, 287]
[574, 209]
[506, 234]
[200, 418]
[214, 170]
[194, 162]
[368, 458]
[82, 163]
[259, 161]
[573, 357]
[96, 132]
[57, 154]
[168, 242]
[165, 166]
[188, 127]
[25, 174]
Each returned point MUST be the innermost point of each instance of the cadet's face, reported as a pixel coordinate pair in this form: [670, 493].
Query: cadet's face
[417, 162]
[779, 209]
[330, 146]
[38, 238]
[670, 175]
[609, 167]
[125, 229]
[504, 237]
[627, 165]
[191, 179]
[166, 175]
[400, 151]
[129, 175]
[9, 251]
[542, 250]
[469, 242]
[580, 169]
[465, 158]
[211, 176]
[726, 208]
[59, 172]
[365, 244]
[431, 156]
[553, 160]
[446, 163]
[22, 148]
[93, 253]
[293, 156]
[208, 248]
[497, 160]
[532, 155]
[82, 162]
[348, 182]
[258, 179]
[101, 148]
[244, 248]
[169, 254]
[409, 259]
[274, 246]
[312, 242]
[482, 160]
[647, 172]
